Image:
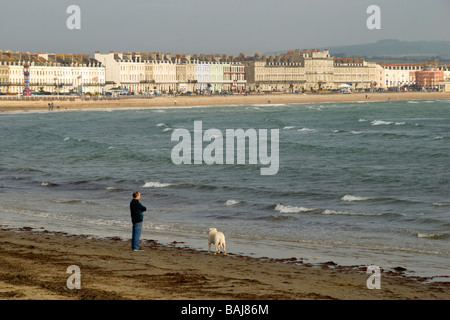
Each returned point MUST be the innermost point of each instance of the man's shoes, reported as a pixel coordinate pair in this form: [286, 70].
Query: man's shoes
[138, 249]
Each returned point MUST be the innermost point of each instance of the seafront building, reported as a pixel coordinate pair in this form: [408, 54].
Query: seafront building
[51, 73]
[311, 71]
[122, 70]
[447, 79]
[185, 69]
[142, 73]
[398, 75]
[361, 74]
[431, 77]
[427, 75]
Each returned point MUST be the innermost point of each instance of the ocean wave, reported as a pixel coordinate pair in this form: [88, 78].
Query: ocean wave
[161, 124]
[69, 138]
[441, 204]
[231, 203]
[70, 218]
[381, 122]
[28, 170]
[306, 130]
[75, 201]
[362, 120]
[112, 189]
[289, 127]
[428, 235]
[291, 209]
[347, 213]
[275, 218]
[152, 184]
[351, 198]
[48, 184]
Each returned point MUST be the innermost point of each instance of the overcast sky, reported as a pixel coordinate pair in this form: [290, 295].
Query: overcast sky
[215, 26]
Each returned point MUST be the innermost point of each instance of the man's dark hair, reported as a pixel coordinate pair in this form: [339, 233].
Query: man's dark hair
[135, 194]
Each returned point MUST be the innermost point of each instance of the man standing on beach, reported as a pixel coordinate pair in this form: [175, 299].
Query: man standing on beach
[137, 216]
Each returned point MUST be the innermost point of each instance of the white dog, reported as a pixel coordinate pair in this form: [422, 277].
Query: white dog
[218, 239]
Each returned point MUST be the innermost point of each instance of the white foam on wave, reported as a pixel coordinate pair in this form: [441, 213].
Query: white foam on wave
[161, 124]
[441, 204]
[48, 184]
[431, 235]
[362, 120]
[167, 129]
[355, 132]
[289, 127]
[306, 130]
[153, 184]
[69, 138]
[282, 208]
[381, 122]
[347, 213]
[352, 198]
[231, 203]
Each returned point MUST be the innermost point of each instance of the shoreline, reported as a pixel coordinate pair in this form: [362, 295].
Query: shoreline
[35, 261]
[195, 101]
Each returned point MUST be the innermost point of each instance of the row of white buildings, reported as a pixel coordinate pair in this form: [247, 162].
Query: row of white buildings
[158, 72]
[51, 73]
[136, 72]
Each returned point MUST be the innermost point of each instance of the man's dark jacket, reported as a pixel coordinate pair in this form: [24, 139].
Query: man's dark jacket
[136, 209]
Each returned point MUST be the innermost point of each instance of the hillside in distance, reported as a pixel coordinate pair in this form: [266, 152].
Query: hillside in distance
[391, 50]
[395, 50]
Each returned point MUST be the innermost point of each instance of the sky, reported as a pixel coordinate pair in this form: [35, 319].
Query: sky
[214, 26]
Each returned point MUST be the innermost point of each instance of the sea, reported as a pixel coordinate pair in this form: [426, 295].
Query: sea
[360, 183]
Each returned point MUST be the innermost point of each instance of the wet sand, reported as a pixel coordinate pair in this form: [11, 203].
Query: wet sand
[34, 266]
[189, 101]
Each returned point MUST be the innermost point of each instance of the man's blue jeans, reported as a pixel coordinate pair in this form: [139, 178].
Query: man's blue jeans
[137, 228]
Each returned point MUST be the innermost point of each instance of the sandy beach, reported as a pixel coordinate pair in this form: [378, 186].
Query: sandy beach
[34, 266]
[189, 101]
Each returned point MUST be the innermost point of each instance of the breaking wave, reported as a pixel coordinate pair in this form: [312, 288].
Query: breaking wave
[152, 184]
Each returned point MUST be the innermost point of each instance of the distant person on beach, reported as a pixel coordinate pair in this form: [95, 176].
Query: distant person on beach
[137, 216]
